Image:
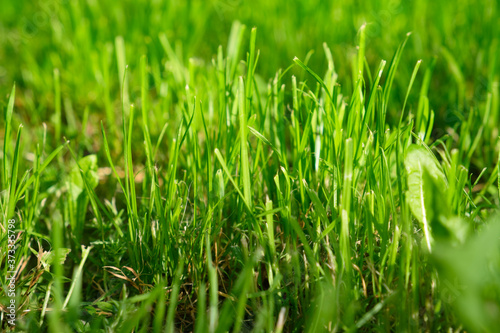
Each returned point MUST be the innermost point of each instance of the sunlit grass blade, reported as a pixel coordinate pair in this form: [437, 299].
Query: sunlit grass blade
[6, 140]
[345, 247]
[13, 176]
[77, 278]
[244, 162]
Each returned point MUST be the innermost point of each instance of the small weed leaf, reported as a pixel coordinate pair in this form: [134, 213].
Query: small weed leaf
[88, 165]
[426, 186]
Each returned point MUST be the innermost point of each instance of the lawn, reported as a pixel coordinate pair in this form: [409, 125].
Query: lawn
[234, 165]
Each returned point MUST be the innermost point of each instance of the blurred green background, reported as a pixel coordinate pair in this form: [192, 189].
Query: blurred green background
[37, 36]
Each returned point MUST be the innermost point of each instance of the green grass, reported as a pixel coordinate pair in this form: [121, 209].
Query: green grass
[251, 166]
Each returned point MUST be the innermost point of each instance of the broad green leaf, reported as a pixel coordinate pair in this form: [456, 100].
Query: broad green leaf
[88, 166]
[426, 182]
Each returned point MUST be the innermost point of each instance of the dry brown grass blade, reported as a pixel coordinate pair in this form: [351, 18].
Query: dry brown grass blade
[122, 276]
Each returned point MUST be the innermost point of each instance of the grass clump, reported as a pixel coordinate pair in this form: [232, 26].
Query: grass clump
[158, 191]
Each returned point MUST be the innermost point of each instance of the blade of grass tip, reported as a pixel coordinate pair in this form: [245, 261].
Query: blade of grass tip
[77, 277]
[280, 323]
[267, 142]
[413, 75]
[195, 165]
[6, 141]
[423, 100]
[371, 103]
[361, 52]
[373, 90]
[44, 138]
[245, 167]
[220, 184]
[221, 85]
[234, 49]
[251, 63]
[122, 68]
[160, 138]
[145, 117]
[23, 181]
[332, 75]
[13, 178]
[173, 297]
[392, 71]
[280, 107]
